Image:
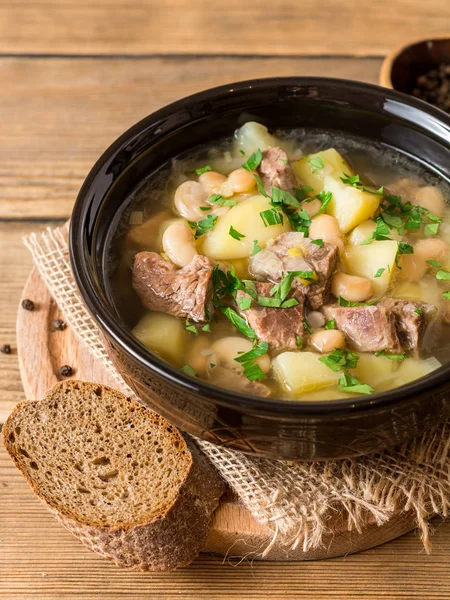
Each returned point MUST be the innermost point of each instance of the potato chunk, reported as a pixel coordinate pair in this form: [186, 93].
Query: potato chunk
[252, 136]
[302, 372]
[377, 371]
[310, 171]
[360, 234]
[244, 218]
[349, 205]
[163, 334]
[368, 260]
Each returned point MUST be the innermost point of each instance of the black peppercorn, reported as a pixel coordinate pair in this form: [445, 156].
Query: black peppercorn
[5, 349]
[28, 304]
[66, 371]
[58, 325]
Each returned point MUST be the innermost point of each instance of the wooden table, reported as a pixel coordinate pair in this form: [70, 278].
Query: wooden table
[73, 75]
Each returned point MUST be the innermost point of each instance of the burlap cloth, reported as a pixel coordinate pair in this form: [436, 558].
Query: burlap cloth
[295, 500]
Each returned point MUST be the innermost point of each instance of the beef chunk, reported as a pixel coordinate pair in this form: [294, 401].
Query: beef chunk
[410, 324]
[368, 328]
[276, 326]
[293, 252]
[230, 380]
[182, 292]
[275, 171]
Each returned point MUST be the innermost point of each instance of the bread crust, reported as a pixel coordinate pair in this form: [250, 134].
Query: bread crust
[169, 541]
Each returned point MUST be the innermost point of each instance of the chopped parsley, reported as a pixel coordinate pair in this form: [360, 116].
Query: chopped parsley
[281, 290]
[405, 248]
[205, 226]
[298, 341]
[340, 359]
[271, 217]
[347, 383]
[343, 302]
[253, 372]
[317, 242]
[253, 161]
[242, 152]
[235, 234]
[239, 322]
[419, 311]
[260, 186]
[191, 327]
[317, 163]
[302, 193]
[260, 349]
[391, 356]
[355, 181]
[307, 327]
[189, 370]
[379, 273]
[255, 248]
[282, 198]
[277, 302]
[205, 208]
[442, 275]
[220, 201]
[446, 295]
[434, 263]
[206, 328]
[244, 303]
[330, 324]
[325, 198]
[202, 170]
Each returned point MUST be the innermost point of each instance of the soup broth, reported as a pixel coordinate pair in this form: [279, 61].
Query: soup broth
[299, 265]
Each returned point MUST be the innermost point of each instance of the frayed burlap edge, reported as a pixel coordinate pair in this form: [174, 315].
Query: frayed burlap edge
[295, 500]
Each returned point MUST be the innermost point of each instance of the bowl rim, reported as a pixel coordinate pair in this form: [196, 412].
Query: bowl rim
[384, 78]
[107, 320]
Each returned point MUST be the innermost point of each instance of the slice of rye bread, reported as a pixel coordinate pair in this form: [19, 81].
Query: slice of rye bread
[115, 474]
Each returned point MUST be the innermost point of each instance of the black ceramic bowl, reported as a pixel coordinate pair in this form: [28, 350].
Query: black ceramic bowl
[289, 430]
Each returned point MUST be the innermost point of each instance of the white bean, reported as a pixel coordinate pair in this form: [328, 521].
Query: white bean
[430, 197]
[200, 354]
[239, 181]
[326, 228]
[211, 182]
[312, 208]
[178, 243]
[228, 348]
[316, 319]
[327, 340]
[189, 196]
[414, 266]
[351, 287]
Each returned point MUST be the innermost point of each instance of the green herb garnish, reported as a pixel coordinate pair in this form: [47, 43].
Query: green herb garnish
[391, 356]
[253, 372]
[317, 242]
[271, 217]
[255, 248]
[340, 359]
[190, 327]
[244, 303]
[317, 163]
[347, 383]
[189, 370]
[325, 198]
[260, 186]
[221, 201]
[253, 161]
[205, 226]
[330, 324]
[379, 273]
[238, 322]
[306, 326]
[419, 311]
[206, 328]
[235, 234]
[204, 169]
[260, 349]
[298, 341]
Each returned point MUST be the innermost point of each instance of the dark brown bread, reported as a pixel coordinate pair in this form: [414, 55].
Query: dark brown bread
[117, 475]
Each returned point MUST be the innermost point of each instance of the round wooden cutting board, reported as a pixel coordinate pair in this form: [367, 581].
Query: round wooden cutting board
[234, 533]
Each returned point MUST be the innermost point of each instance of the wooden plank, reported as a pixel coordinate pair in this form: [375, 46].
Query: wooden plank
[280, 27]
[40, 559]
[58, 115]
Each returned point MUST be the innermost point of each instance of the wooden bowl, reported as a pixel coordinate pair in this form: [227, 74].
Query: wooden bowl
[403, 65]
